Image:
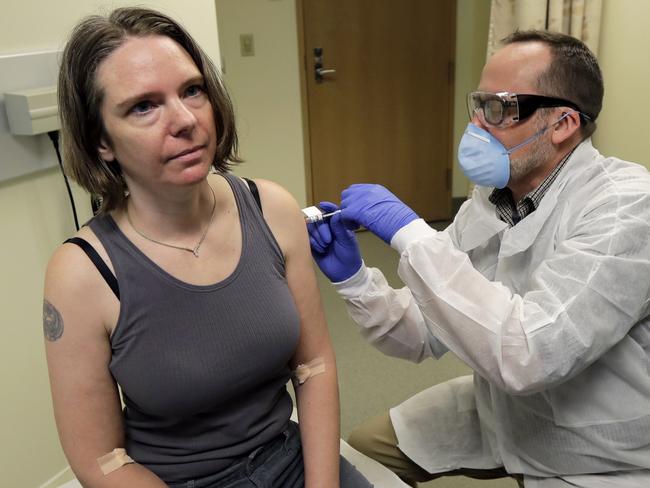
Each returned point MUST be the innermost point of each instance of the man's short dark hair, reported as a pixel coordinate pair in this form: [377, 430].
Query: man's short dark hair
[574, 73]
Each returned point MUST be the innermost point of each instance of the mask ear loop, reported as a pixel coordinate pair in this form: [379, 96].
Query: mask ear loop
[530, 139]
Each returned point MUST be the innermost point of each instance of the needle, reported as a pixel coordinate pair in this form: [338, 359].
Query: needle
[330, 214]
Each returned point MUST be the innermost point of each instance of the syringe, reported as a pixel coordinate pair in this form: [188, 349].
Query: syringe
[314, 214]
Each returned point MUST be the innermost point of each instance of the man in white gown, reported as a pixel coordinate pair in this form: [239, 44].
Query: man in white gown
[541, 285]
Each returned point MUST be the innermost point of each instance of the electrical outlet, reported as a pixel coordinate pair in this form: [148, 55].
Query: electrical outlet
[247, 44]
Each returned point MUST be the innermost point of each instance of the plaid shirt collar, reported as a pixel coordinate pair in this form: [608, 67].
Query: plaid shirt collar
[510, 212]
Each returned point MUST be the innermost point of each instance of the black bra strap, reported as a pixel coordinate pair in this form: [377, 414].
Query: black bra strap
[255, 192]
[99, 263]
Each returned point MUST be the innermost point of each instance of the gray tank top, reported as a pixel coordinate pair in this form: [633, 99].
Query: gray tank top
[202, 369]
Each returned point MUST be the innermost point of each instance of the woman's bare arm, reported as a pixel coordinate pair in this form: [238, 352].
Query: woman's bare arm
[317, 398]
[78, 307]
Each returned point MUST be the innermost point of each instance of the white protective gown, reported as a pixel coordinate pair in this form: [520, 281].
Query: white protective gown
[551, 314]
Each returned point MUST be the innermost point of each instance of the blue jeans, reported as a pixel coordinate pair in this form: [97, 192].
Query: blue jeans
[277, 464]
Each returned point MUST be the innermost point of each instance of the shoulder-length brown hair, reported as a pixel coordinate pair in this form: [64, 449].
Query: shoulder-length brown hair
[92, 40]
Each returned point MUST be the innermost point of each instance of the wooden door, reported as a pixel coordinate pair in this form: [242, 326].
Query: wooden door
[385, 115]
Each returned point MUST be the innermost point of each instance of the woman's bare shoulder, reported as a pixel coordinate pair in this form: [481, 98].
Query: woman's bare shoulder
[72, 281]
[282, 213]
[275, 197]
[70, 262]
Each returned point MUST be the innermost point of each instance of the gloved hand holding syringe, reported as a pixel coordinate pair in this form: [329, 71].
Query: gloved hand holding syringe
[333, 245]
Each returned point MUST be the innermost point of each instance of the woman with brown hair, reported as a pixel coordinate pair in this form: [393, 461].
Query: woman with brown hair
[199, 298]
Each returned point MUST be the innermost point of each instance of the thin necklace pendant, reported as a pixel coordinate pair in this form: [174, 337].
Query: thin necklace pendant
[194, 251]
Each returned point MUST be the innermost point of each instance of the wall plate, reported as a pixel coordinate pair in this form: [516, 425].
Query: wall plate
[22, 155]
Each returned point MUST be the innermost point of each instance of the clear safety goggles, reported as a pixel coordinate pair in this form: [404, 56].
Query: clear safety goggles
[503, 109]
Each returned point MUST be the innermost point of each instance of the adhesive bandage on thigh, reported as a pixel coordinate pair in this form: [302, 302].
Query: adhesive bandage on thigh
[114, 460]
[305, 371]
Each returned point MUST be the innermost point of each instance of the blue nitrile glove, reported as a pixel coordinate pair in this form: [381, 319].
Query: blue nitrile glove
[334, 248]
[376, 208]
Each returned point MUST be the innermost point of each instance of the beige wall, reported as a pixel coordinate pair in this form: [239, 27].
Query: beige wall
[623, 51]
[34, 218]
[472, 18]
[265, 89]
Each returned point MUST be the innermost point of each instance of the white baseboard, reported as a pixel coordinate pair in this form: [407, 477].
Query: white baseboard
[59, 478]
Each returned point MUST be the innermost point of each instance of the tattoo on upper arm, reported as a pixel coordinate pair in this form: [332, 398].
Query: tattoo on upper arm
[52, 322]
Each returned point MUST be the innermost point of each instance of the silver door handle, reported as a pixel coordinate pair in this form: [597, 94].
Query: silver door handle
[321, 71]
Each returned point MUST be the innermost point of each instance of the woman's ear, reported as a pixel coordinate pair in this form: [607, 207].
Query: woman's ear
[105, 150]
[567, 127]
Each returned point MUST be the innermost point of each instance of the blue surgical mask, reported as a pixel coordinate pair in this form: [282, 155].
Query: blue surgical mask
[484, 160]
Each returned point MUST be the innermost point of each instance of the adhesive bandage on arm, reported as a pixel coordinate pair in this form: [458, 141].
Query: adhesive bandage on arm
[114, 460]
[305, 371]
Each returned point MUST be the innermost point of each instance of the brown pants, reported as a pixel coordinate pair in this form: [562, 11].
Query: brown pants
[376, 439]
